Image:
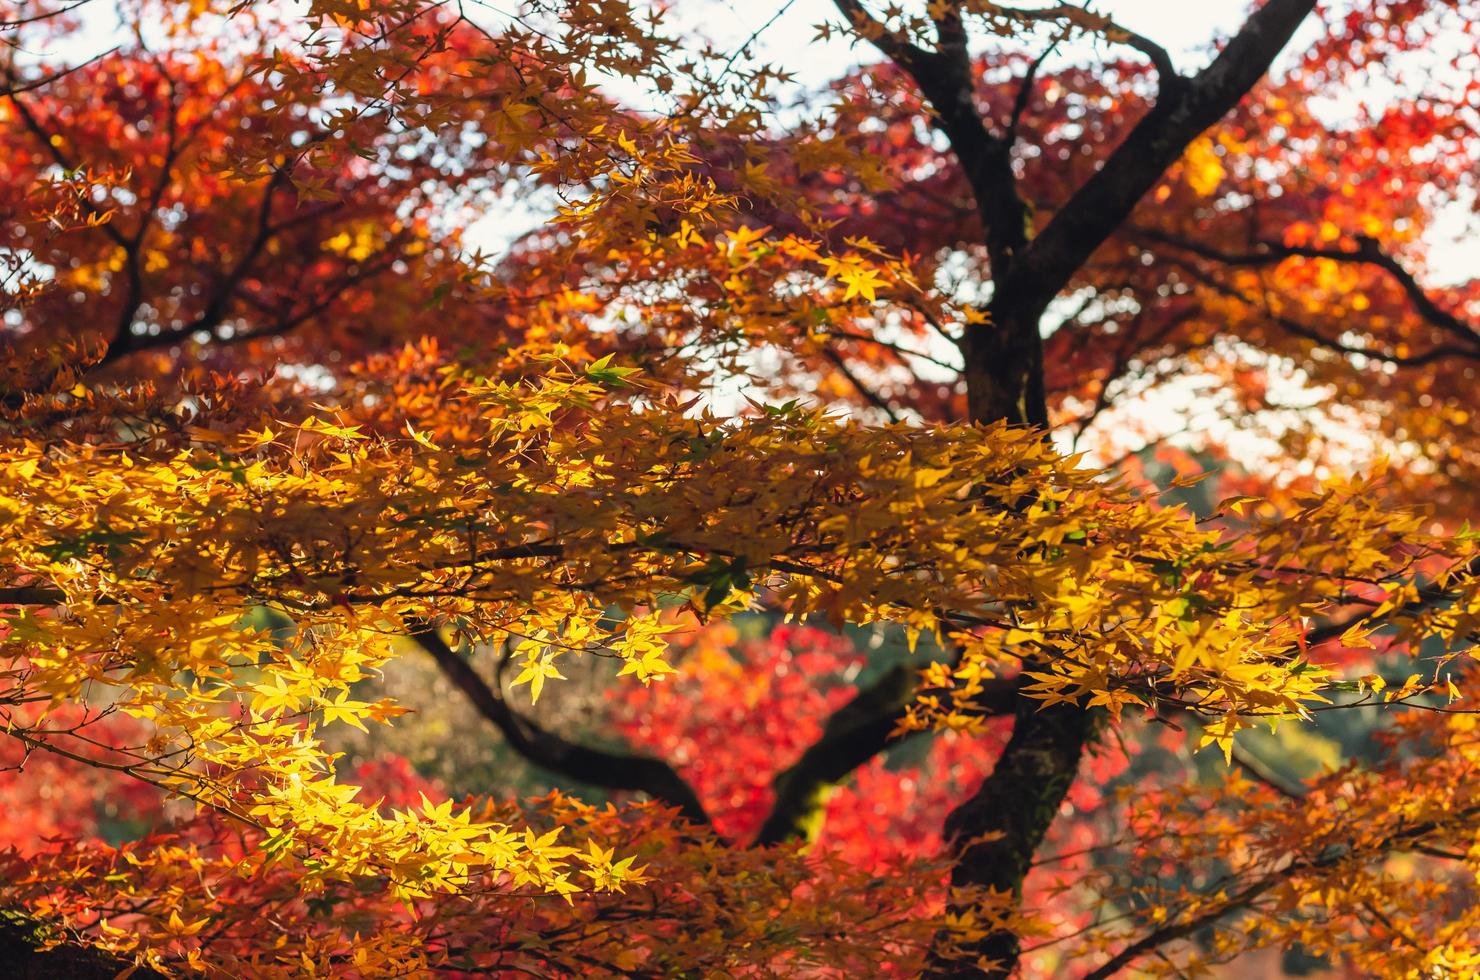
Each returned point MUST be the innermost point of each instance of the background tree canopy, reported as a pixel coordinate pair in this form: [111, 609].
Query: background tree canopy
[542, 490]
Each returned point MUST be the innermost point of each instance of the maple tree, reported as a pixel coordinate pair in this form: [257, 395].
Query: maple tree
[275, 424]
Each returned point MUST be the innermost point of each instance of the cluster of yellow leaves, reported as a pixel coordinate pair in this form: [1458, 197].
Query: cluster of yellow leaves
[560, 524]
[1201, 619]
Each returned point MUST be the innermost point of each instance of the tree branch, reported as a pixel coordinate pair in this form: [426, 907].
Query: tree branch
[609, 770]
[36, 129]
[13, 86]
[1112, 31]
[1166, 71]
[1429, 595]
[1435, 353]
[214, 311]
[950, 27]
[1172, 931]
[1368, 252]
[14, 22]
[1025, 90]
[1184, 109]
[133, 251]
[1264, 774]
[856, 732]
[869, 395]
[945, 80]
[891, 45]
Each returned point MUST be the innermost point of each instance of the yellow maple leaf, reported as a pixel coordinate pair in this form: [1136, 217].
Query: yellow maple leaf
[1202, 167]
[861, 281]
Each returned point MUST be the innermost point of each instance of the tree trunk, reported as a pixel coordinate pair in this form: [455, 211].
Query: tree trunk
[995, 833]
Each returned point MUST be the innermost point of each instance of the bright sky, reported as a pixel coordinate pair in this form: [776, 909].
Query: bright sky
[1183, 27]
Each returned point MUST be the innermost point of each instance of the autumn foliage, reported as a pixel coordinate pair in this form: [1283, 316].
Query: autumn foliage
[534, 492]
